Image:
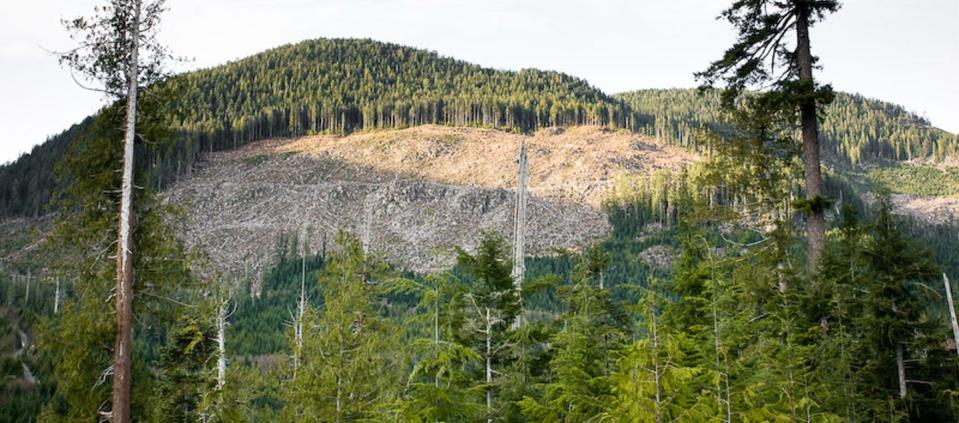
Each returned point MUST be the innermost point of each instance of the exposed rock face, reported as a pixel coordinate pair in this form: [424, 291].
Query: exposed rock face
[413, 194]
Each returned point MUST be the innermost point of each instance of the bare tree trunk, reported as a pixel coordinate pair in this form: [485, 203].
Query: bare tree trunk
[656, 375]
[339, 390]
[952, 311]
[124, 292]
[367, 226]
[815, 219]
[298, 326]
[519, 227]
[901, 367]
[56, 298]
[221, 346]
[436, 330]
[489, 367]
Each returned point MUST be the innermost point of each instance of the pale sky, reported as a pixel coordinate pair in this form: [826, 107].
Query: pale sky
[903, 51]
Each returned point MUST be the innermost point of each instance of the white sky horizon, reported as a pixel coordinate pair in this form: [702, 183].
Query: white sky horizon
[903, 52]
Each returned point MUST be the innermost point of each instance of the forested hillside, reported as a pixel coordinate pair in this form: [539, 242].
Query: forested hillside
[331, 85]
[856, 130]
[344, 85]
[348, 230]
[27, 184]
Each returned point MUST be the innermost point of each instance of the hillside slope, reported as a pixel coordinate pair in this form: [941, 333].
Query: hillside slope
[329, 85]
[345, 85]
[856, 130]
[412, 194]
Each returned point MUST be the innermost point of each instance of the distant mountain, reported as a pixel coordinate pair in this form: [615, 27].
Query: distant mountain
[344, 85]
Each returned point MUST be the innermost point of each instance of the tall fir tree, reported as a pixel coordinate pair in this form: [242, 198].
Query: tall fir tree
[761, 58]
[493, 304]
[119, 50]
[582, 354]
[80, 241]
[350, 366]
[438, 386]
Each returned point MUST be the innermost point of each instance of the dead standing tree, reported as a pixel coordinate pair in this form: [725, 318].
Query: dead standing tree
[301, 308]
[119, 51]
[952, 311]
[519, 226]
[223, 314]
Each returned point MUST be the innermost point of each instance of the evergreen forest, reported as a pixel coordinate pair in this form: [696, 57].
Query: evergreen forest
[709, 299]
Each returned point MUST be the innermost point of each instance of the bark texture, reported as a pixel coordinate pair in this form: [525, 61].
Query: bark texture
[519, 227]
[221, 317]
[124, 291]
[815, 218]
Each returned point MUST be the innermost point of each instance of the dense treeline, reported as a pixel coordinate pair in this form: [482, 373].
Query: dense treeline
[855, 129]
[341, 85]
[27, 184]
[864, 130]
[726, 329]
[344, 85]
[729, 333]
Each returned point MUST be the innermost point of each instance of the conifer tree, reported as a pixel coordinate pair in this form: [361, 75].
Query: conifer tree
[584, 352]
[896, 322]
[186, 372]
[698, 317]
[438, 385]
[81, 239]
[492, 305]
[655, 381]
[836, 303]
[761, 58]
[118, 49]
[347, 370]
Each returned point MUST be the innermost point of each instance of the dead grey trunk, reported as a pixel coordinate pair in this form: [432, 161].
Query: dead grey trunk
[519, 227]
[28, 374]
[436, 331]
[339, 395]
[717, 344]
[952, 311]
[301, 310]
[368, 226]
[656, 372]
[221, 345]
[489, 367]
[56, 298]
[901, 367]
